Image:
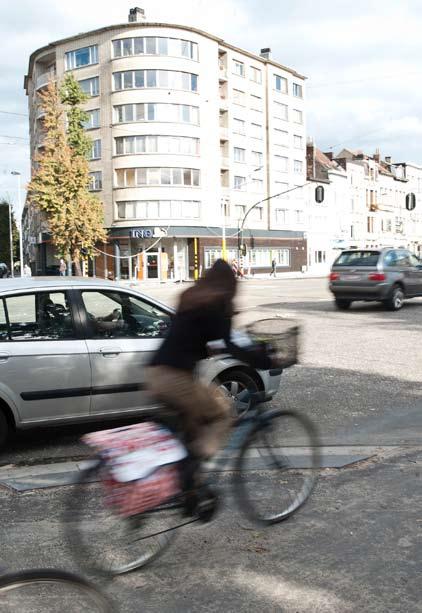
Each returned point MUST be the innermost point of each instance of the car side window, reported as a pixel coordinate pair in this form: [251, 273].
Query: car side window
[119, 315]
[40, 316]
[391, 258]
[414, 261]
[403, 258]
[4, 332]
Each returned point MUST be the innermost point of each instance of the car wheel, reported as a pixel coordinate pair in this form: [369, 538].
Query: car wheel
[232, 384]
[342, 304]
[4, 429]
[395, 300]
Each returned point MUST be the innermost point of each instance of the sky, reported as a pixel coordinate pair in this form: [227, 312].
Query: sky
[362, 60]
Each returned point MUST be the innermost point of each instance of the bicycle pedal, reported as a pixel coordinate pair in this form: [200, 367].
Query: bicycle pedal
[207, 508]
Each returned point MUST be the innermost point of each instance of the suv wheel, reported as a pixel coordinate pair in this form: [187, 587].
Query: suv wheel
[342, 304]
[232, 384]
[395, 300]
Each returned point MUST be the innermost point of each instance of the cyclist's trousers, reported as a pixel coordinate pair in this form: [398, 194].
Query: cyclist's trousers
[205, 411]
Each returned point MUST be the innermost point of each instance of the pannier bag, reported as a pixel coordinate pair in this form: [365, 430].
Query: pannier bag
[141, 470]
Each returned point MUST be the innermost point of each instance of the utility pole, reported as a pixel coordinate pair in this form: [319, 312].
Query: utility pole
[19, 217]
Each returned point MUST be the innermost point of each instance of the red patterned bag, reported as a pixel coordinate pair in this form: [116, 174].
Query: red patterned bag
[141, 466]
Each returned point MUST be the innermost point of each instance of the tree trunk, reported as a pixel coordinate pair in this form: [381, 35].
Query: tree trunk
[77, 262]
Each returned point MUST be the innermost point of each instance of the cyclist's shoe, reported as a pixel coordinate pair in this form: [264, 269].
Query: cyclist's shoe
[201, 503]
[208, 503]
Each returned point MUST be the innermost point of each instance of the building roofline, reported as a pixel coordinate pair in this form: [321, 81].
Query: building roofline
[156, 24]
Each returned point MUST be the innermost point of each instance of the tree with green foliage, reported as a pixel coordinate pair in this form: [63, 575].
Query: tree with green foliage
[60, 184]
[5, 236]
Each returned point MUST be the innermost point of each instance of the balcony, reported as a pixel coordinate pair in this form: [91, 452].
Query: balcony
[224, 104]
[224, 133]
[44, 79]
[225, 162]
[222, 73]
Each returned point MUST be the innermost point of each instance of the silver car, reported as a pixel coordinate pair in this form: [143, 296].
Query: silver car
[74, 349]
[387, 275]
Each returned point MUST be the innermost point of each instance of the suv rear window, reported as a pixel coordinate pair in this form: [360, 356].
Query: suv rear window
[358, 258]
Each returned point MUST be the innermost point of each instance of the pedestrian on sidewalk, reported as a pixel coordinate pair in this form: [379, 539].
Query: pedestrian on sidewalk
[62, 267]
[273, 268]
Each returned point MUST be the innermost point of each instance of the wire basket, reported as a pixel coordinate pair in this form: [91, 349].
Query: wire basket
[281, 337]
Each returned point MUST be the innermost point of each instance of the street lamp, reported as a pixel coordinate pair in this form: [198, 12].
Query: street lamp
[17, 174]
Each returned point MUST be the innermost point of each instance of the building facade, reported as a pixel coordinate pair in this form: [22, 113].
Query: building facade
[188, 133]
[364, 204]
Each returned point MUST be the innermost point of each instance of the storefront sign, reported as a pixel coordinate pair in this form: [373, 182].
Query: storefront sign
[141, 233]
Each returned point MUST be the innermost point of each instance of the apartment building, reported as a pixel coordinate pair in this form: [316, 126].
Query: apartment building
[188, 132]
[364, 204]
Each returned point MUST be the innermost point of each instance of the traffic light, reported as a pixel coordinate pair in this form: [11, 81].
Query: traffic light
[410, 201]
[319, 194]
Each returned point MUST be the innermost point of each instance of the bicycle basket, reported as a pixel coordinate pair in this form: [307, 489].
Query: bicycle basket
[281, 336]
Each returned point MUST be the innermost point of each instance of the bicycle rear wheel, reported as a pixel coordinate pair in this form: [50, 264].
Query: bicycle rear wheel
[277, 466]
[107, 543]
[48, 590]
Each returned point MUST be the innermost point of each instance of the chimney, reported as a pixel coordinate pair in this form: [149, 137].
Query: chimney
[136, 14]
[388, 159]
[266, 53]
[377, 155]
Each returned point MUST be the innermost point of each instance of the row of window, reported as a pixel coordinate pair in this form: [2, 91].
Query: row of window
[287, 216]
[158, 209]
[280, 83]
[157, 111]
[239, 155]
[155, 45]
[42, 316]
[260, 257]
[133, 177]
[253, 184]
[168, 79]
[184, 145]
[148, 45]
[256, 129]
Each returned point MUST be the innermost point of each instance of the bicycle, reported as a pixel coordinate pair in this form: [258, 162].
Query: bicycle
[262, 465]
[49, 591]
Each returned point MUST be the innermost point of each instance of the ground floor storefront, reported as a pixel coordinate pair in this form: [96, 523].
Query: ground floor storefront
[183, 253]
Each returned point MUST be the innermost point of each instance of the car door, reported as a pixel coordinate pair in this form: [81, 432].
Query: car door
[44, 367]
[124, 330]
[416, 273]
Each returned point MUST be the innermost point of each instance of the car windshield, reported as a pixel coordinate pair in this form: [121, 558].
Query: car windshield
[358, 258]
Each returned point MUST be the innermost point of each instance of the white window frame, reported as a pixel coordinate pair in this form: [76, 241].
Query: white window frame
[278, 79]
[297, 141]
[297, 90]
[164, 79]
[167, 209]
[239, 124]
[297, 166]
[299, 118]
[95, 181]
[239, 155]
[94, 86]
[96, 149]
[70, 57]
[255, 72]
[89, 124]
[238, 68]
[239, 183]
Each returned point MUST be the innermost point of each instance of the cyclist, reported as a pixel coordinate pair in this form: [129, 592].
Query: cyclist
[204, 314]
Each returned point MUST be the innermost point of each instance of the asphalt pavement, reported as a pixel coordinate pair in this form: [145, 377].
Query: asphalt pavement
[355, 546]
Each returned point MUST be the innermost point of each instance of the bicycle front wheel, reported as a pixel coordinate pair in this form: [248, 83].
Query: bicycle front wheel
[44, 590]
[277, 466]
[106, 543]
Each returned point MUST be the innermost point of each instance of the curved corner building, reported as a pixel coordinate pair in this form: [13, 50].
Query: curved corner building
[188, 132]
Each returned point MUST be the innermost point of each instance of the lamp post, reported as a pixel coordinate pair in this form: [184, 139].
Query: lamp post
[8, 204]
[17, 174]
